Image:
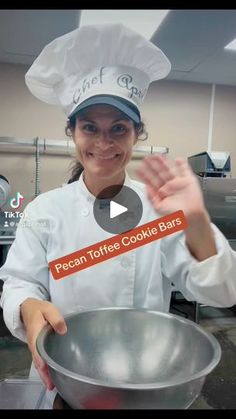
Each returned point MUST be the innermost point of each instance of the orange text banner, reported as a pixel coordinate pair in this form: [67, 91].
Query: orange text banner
[115, 246]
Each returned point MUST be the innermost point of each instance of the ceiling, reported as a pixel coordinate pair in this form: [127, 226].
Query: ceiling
[193, 40]
[24, 33]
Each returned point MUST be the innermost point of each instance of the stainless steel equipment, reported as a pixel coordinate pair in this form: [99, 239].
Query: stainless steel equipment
[219, 190]
[7, 236]
[21, 394]
[211, 163]
[4, 190]
[129, 358]
[220, 200]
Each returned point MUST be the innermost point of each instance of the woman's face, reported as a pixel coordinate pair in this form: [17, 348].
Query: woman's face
[104, 138]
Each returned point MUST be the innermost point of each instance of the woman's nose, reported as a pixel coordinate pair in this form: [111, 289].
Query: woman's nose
[104, 140]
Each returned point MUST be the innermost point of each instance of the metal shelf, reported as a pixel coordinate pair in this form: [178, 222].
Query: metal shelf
[61, 147]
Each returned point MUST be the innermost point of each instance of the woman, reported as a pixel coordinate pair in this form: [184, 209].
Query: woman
[104, 128]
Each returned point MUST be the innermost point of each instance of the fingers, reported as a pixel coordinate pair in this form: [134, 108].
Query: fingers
[152, 195]
[156, 171]
[44, 374]
[148, 179]
[32, 334]
[35, 315]
[55, 319]
[33, 331]
[48, 314]
[183, 167]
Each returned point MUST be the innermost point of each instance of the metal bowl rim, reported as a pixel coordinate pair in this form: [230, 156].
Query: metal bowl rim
[147, 386]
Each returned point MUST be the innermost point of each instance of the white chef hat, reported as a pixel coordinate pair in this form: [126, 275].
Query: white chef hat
[101, 64]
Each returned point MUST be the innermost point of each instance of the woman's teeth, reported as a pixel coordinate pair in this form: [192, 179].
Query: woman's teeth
[98, 157]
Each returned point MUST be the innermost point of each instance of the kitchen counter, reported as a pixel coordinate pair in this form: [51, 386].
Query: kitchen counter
[218, 391]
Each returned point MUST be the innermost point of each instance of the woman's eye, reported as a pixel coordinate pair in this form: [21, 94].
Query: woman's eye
[90, 128]
[119, 129]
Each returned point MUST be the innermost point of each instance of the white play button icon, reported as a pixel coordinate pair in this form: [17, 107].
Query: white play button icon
[116, 209]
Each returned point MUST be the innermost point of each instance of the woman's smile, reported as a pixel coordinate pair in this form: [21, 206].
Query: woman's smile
[103, 157]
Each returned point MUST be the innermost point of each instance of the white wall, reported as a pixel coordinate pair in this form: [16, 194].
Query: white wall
[176, 116]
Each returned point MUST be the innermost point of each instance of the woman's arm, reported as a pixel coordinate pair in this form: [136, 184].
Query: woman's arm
[25, 297]
[172, 187]
[199, 260]
[25, 273]
[200, 237]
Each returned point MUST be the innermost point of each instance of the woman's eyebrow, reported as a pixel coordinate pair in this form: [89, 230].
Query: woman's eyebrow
[83, 118]
[121, 119]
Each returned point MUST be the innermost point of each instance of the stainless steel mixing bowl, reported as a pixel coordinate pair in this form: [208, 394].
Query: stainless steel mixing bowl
[122, 358]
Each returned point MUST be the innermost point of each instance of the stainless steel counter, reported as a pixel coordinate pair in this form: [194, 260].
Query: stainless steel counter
[21, 394]
[31, 394]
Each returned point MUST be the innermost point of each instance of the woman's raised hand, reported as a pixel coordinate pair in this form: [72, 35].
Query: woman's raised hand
[172, 186]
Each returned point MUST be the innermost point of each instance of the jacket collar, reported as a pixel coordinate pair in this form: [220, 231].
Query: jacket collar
[80, 185]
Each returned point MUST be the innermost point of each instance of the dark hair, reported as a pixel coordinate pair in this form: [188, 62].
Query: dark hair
[77, 167]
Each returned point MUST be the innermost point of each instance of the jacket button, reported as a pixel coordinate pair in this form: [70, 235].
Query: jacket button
[85, 212]
[125, 263]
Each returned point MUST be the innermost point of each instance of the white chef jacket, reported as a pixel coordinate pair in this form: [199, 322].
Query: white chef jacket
[140, 278]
